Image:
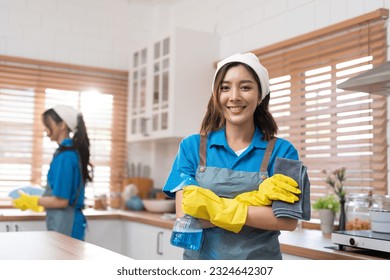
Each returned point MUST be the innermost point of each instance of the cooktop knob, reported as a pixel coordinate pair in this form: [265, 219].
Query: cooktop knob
[352, 242]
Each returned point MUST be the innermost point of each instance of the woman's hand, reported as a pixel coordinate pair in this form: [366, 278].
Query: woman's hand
[25, 201]
[225, 213]
[277, 187]
[180, 213]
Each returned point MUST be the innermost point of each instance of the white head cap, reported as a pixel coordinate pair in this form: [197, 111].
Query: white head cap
[68, 115]
[252, 61]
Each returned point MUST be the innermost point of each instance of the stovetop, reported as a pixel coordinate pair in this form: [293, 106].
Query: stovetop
[362, 239]
[366, 233]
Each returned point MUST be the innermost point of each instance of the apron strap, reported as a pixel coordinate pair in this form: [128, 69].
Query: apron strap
[202, 150]
[78, 192]
[267, 155]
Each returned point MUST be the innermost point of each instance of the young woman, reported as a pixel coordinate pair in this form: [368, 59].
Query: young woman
[68, 174]
[232, 160]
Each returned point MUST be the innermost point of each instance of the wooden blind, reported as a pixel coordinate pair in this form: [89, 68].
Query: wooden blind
[29, 87]
[332, 128]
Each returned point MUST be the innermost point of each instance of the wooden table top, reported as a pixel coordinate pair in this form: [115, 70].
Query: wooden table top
[50, 245]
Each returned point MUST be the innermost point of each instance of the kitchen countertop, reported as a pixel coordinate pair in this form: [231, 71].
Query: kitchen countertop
[313, 244]
[303, 242]
[50, 245]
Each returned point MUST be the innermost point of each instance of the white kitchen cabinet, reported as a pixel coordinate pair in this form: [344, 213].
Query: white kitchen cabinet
[170, 85]
[22, 226]
[106, 234]
[146, 242]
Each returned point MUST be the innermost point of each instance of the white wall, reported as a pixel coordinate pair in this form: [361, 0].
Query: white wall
[103, 33]
[87, 32]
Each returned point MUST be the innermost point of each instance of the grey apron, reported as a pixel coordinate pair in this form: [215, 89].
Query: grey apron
[61, 219]
[249, 243]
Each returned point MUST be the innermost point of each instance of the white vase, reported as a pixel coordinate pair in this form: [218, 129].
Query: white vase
[327, 220]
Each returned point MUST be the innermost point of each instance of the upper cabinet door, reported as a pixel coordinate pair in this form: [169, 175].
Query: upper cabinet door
[170, 85]
[137, 109]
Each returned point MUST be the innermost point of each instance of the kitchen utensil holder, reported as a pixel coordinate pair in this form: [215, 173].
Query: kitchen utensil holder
[144, 185]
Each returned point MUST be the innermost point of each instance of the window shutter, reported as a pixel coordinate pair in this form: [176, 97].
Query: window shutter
[332, 128]
[29, 87]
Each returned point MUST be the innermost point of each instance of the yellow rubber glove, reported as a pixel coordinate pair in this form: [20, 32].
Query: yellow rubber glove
[225, 213]
[277, 187]
[25, 201]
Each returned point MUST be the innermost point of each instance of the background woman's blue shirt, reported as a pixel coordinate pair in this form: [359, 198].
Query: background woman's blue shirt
[64, 175]
[65, 179]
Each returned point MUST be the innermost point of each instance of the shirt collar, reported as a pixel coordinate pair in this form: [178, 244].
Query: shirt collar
[218, 138]
[67, 142]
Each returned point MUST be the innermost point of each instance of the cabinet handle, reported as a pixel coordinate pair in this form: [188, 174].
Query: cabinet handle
[159, 235]
[16, 228]
[7, 227]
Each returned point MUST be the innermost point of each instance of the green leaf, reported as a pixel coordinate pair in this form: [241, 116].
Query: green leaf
[327, 202]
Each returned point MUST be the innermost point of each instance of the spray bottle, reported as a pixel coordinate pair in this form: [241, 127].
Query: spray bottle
[187, 231]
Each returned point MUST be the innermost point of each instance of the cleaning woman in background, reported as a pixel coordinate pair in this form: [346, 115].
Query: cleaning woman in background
[68, 174]
[232, 160]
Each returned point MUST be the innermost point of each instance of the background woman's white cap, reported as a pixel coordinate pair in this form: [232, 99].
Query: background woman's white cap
[252, 61]
[68, 115]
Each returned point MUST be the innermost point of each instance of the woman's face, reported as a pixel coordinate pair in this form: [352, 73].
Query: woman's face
[239, 96]
[54, 130]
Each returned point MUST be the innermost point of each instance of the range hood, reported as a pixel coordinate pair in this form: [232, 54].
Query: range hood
[374, 81]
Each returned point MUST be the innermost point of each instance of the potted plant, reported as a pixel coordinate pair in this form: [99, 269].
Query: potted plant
[327, 208]
[335, 180]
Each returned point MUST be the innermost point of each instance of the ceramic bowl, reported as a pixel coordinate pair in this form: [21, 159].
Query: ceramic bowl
[159, 205]
[380, 220]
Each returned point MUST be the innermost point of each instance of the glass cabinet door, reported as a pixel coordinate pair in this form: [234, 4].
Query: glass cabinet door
[138, 91]
[142, 93]
[160, 105]
[165, 90]
[156, 85]
[134, 99]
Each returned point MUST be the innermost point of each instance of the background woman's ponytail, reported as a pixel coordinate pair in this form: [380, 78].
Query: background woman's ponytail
[81, 143]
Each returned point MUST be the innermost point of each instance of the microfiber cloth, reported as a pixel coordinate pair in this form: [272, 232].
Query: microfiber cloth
[301, 209]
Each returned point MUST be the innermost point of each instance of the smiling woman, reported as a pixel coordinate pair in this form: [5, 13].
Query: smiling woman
[232, 161]
[28, 88]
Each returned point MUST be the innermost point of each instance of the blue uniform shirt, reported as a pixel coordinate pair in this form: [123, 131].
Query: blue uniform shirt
[219, 154]
[64, 178]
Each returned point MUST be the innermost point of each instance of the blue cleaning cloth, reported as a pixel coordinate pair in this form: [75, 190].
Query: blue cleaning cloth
[301, 209]
[31, 190]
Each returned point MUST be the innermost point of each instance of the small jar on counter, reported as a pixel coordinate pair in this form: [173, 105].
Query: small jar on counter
[116, 200]
[357, 211]
[100, 202]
